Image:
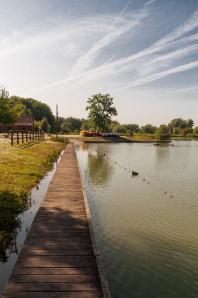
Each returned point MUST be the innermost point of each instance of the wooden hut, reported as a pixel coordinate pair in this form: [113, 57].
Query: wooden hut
[25, 122]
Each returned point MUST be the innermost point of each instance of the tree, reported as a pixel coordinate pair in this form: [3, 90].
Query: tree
[162, 132]
[176, 125]
[196, 130]
[7, 115]
[148, 128]
[71, 124]
[189, 123]
[186, 131]
[131, 128]
[38, 109]
[100, 110]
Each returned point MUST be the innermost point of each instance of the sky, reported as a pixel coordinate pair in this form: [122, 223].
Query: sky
[144, 53]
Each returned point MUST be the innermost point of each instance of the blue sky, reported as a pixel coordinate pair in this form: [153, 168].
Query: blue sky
[144, 53]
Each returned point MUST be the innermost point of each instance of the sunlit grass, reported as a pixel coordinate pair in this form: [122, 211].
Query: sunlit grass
[22, 168]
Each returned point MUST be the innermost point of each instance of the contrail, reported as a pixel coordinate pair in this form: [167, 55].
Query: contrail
[162, 74]
[192, 88]
[121, 13]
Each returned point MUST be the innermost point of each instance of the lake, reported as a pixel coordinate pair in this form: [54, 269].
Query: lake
[146, 226]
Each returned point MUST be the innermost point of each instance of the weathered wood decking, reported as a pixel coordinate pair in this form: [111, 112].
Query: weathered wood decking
[58, 258]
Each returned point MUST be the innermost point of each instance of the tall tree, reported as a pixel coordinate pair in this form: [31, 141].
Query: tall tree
[7, 115]
[100, 110]
[148, 128]
[162, 132]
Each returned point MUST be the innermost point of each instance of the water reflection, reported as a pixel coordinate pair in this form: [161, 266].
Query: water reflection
[146, 233]
[100, 169]
[10, 223]
[16, 217]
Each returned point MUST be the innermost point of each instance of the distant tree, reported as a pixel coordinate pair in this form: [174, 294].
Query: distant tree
[120, 129]
[131, 128]
[196, 130]
[176, 125]
[7, 115]
[66, 126]
[186, 131]
[36, 108]
[189, 123]
[100, 110]
[85, 124]
[71, 124]
[162, 132]
[148, 128]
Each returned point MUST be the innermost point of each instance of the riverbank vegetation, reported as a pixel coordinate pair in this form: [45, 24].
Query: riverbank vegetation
[21, 169]
[100, 111]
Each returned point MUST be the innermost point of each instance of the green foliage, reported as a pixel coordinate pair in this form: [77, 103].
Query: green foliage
[7, 115]
[71, 124]
[34, 107]
[162, 132]
[177, 125]
[100, 110]
[186, 131]
[196, 130]
[59, 139]
[148, 128]
[21, 169]
[85, 124]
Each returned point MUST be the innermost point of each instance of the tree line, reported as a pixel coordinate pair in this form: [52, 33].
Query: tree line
[100, 112]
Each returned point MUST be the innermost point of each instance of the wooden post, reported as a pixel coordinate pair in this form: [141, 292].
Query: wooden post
[56, 121]
[30, 136]
[26, 136]
[33, 135]
[12, 138]
[17, 138]
[22, 138]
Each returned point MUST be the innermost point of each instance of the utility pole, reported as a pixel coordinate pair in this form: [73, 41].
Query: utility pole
[56, 121]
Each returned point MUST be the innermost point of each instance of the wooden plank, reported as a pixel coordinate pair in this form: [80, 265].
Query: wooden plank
[55, 271]
[51, 287]
[57, 259]
[54, 278]
[85, 294]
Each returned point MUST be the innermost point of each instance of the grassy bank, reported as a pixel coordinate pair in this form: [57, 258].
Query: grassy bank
[121, 139]
[21, 169]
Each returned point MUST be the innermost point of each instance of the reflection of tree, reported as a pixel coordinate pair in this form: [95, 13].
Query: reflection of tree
[10, 208]
[99, 169]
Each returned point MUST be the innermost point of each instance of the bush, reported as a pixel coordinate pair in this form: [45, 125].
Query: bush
[60, 140]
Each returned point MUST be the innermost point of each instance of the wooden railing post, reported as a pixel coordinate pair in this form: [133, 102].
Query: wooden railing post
[17, 138]
[12, 138]
[22, 138]
[26, 136]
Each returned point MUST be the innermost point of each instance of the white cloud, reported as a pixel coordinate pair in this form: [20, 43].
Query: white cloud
[162, 74]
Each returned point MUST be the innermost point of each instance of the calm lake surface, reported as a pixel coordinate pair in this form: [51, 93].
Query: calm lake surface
[146, 226]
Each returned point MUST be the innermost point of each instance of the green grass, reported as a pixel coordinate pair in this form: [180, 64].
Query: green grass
[22, 167]
[123, 138]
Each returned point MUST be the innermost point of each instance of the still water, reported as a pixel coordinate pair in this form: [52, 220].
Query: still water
[146, 226]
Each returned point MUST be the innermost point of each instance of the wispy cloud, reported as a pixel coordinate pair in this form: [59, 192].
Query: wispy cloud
[187, 89]
[147, 65]
[163, 74]
[86, 60]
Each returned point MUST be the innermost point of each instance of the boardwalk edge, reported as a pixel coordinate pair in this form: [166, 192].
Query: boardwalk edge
[102, 274]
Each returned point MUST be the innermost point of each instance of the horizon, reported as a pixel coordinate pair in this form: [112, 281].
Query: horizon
[143, 53]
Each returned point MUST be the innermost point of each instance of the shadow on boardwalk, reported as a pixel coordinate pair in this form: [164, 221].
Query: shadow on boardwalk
[57, 259]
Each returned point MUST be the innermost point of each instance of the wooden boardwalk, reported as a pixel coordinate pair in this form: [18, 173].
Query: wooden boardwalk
[58, 258]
